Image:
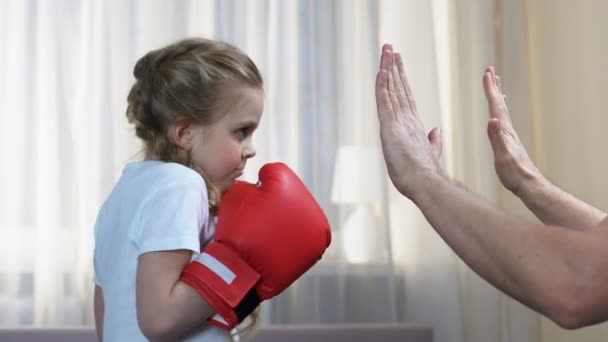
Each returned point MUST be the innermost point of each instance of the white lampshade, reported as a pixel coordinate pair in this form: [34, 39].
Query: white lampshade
[360, 239]
[358, 175]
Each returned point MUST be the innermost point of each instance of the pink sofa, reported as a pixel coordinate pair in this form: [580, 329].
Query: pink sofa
[291, 333]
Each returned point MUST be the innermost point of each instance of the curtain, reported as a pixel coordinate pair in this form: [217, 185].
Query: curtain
[567, 67]
[64, 78]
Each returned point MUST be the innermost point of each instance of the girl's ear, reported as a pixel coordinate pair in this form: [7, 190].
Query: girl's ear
[181, 134]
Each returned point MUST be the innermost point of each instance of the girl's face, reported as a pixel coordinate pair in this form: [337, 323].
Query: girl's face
[222, 148]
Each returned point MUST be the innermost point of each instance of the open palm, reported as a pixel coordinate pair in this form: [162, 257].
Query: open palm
[511, 161]
[408, 151]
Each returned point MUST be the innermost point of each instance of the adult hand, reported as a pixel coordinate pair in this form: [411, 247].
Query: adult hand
[511, 161]
[409, 152]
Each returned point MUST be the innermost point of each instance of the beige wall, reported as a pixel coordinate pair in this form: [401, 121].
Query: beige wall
[567, 124]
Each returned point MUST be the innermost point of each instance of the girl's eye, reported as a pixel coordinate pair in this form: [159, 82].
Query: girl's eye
[242, 133]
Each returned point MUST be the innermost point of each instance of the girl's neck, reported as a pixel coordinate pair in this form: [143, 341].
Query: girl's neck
[151, 157]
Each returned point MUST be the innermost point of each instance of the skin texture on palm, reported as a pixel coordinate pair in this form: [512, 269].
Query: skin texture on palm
[558, 272]
[518, 173]
[512, 163]
[400, 126]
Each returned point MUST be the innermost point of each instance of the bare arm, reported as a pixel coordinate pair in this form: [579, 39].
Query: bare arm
[168, 309]
[556, 271]
[555, 206]
[518, 174]
[99, 309]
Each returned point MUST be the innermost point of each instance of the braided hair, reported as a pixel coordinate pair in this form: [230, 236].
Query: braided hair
[182, 81]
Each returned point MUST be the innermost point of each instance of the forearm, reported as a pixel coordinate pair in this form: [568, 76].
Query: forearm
[554, 206]
[535, 265]
[181, 313]
[167, 308]
[188, 311]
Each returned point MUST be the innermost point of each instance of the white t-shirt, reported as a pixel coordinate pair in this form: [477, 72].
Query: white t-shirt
[155, 206]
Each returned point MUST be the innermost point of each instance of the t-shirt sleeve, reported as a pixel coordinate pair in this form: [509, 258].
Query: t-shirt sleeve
[171, 219]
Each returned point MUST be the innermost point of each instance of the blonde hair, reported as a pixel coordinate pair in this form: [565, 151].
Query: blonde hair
[183, 81]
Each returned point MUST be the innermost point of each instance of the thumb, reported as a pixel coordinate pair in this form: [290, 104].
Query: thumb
[436, 140]
[494, 134]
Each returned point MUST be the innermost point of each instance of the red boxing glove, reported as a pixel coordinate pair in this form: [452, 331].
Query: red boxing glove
[266, 237]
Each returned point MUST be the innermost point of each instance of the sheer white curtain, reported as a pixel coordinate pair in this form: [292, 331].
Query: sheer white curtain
[65, 73]
[63, 83]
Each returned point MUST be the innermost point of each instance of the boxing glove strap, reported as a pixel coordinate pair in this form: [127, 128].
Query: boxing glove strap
[248, 304]
[226, 282]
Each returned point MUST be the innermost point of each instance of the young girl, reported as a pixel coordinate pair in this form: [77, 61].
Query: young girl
[195, 105]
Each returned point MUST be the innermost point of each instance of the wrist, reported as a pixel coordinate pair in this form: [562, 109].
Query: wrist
[226, 282]
[426, 184]
[531, 188]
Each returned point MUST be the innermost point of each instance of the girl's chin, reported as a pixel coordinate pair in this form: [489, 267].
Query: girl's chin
[236, 174]
[225, 185]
